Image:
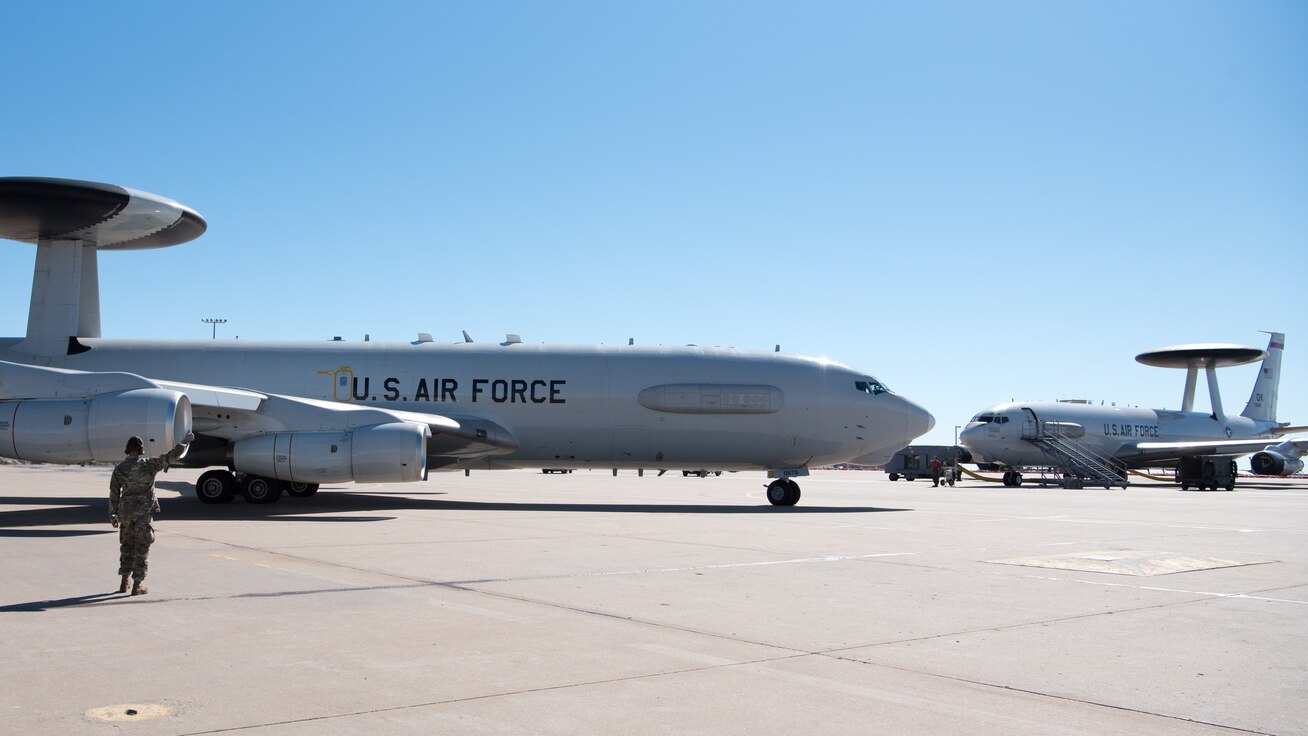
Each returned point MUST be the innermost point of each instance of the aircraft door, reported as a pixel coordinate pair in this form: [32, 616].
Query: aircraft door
[1030, 424]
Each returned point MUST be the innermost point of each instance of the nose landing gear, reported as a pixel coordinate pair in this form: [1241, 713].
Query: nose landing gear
[783, 492]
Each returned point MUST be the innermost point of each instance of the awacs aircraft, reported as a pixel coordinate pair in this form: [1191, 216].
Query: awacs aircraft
[1096, 444]
[286, 416]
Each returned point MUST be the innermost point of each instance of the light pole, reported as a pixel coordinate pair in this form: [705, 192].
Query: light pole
[215, 322]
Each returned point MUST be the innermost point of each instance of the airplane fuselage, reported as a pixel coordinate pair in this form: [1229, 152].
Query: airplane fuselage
[562, 406]
[1001, 434]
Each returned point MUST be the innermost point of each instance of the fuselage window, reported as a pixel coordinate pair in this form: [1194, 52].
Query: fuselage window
[871, 386]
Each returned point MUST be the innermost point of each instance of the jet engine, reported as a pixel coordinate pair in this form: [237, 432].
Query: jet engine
[1269, 462]
[382, 453]
[94, 429]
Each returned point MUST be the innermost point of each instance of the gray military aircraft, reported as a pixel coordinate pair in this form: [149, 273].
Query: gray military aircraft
[1101, 442]
[287, 416]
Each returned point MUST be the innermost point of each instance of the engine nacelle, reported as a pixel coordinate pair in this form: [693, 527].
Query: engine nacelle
[94, 429]
[1274, 463]
[382, 453]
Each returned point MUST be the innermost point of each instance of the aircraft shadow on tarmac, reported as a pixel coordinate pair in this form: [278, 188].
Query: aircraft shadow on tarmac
[330, 504]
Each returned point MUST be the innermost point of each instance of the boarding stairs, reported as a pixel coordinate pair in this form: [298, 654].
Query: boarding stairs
[1080, 463]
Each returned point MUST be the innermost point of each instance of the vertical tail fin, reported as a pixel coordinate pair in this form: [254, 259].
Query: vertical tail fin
[1262, 402]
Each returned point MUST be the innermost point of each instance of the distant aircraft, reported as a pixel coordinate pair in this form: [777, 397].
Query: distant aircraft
[287, 416]
[1096, 444]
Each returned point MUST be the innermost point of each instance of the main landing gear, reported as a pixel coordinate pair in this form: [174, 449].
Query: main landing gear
[221, 486]
[783, 492]
[1012, 478]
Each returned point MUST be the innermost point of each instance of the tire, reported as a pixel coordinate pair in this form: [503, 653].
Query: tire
[258, 489]
[1017, 480]
[216, 486]
[298, 489]
[894, 476]
[783, 492]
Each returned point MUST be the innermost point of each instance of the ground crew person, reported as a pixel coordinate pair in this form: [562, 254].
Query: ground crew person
[132, 506]
[935, 471]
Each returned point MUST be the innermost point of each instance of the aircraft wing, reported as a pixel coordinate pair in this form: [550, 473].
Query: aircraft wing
[109, 407]
[1149, 451]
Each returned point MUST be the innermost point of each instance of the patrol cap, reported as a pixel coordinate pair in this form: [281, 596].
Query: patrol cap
[135, 443]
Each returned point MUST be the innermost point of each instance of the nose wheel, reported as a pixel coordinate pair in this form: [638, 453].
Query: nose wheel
[783, 492]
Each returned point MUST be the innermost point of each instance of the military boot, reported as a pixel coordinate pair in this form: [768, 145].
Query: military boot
[138, 588]
[122, 586]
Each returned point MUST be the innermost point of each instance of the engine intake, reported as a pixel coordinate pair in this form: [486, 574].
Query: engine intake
[1273, 463]
[382, 453]
[95, 429]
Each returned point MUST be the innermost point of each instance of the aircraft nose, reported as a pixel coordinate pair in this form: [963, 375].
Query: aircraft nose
[966, 437]
[971, 438]
[917, 420]
[898, 422]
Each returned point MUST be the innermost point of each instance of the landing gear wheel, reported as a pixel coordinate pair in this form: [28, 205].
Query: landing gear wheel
[258, 489]
[299, 489]
[783, 492]
[894, 476]
[1017, 479]
[216, 486]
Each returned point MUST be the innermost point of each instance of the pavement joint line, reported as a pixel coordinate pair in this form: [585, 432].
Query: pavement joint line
[760, 563]
[797, 654]
[1206, 595]
[1124, 522]
[1055, 696]
[1025, 624]
[491, 696]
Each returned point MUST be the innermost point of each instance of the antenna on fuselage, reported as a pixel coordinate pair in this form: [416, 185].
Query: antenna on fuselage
[69, 221]
[1210, 357]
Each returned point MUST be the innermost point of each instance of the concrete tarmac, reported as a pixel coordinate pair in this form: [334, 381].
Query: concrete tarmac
[514, 602]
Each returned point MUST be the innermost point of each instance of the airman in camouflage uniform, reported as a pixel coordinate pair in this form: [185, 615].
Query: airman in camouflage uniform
[132, 507]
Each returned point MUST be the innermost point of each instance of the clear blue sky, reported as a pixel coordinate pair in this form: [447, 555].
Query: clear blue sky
[974, 202]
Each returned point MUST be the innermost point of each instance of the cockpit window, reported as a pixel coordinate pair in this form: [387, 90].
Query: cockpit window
[988, 418]
[871, 386]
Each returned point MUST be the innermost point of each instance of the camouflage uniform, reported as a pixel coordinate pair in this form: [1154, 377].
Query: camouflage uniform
[132, 503]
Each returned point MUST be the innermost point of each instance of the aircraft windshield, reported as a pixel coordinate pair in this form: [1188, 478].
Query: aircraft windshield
[871, 386]
[988, 418]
